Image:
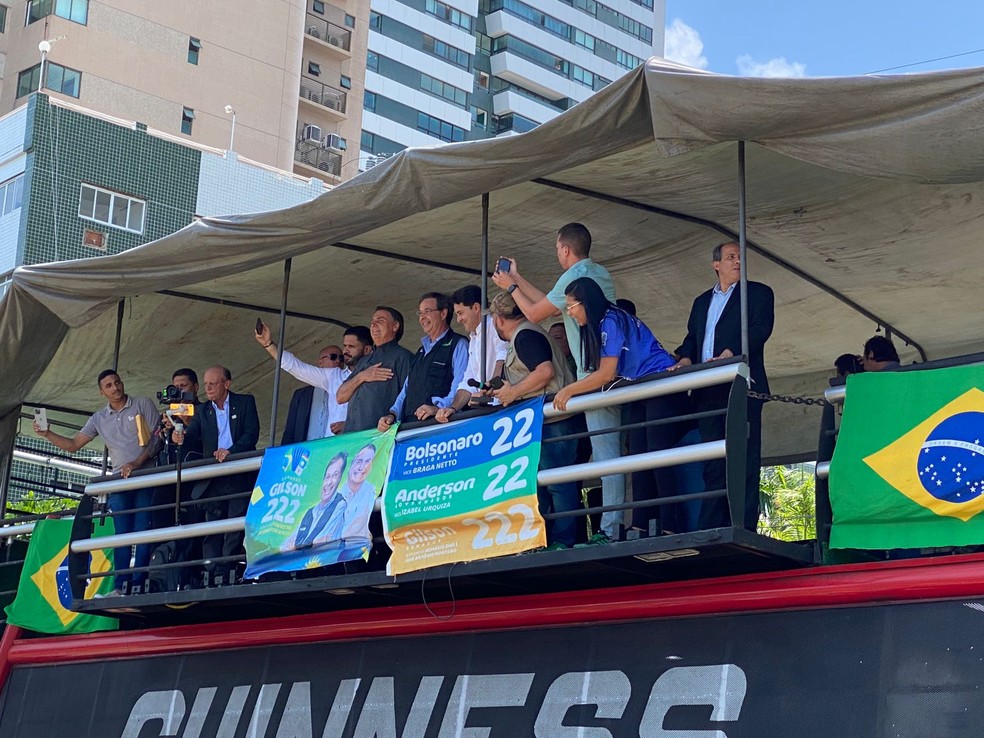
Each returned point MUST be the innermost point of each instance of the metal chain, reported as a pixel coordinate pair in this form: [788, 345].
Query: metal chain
[788, 398]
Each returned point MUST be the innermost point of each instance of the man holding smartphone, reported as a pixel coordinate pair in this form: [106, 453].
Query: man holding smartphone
[125, 427]
[573, 246]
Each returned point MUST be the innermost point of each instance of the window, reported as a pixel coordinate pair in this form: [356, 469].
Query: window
[445, 51]
[442, 89]
[38, 9]
[368, 141]
[111, 208]
[369, 101]
[583, 39]
[372, 61]
[375, 21]
[349, 21]
[438, 128]
[345, 82]
[318, 7]
[73, 10]
[11, 194]
[58, 79]
[3, 18]
[29, 80]
[482, 80]
[194, 46]
[448, 14]
[582, 75]
[480, 118]
[483, 43]
[187, 120]
[626, 60]
[62, 79]
[314, 69]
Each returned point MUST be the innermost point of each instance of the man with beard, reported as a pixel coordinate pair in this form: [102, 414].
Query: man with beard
[377, 378]
[327, 415]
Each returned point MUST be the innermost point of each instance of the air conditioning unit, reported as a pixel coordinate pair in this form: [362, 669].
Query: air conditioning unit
[311, 133]
[313, 31]
[334, 141]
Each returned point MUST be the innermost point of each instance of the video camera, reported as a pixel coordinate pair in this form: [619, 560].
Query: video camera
[181, 403]
[493, 384]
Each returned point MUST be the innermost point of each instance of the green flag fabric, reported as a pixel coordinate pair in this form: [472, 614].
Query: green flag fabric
[908, 468]
[44, 593]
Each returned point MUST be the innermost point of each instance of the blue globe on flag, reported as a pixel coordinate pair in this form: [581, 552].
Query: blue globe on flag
[951, 459]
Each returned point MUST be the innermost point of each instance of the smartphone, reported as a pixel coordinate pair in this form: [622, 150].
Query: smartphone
[41, 418]
[502, 265]
[259, 326]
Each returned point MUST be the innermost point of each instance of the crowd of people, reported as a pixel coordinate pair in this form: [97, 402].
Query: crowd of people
[500, 354]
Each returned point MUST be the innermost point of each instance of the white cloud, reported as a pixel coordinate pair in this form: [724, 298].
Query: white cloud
[683, 45]
[777, 67]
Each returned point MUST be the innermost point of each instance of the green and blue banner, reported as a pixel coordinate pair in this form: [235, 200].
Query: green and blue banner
[44, 593]
[466, 490]
[312, 502]
[908, 469]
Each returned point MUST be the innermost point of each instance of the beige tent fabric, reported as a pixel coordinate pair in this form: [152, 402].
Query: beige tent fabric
[873, 186]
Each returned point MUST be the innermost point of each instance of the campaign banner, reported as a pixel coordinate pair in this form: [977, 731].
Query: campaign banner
[312, 502]
[466, 491]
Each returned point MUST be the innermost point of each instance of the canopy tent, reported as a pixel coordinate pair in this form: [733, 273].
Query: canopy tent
[864, 207]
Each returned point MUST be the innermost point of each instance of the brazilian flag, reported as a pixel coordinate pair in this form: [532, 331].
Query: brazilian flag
[908, 468]
[44, 593]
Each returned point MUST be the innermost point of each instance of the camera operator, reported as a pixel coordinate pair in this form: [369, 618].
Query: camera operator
[535, 366]
[185, 381]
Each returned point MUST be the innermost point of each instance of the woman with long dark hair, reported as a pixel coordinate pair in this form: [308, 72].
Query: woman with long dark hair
[616, 345]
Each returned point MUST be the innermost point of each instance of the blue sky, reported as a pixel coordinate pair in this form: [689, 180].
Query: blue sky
[820, 38]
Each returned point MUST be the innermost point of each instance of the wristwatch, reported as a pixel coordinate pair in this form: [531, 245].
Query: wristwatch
[512, 288]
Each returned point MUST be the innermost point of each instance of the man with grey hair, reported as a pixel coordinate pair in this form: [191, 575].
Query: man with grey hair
[714, 333]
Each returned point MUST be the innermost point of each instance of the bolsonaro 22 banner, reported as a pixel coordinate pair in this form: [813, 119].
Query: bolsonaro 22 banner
[908, 469]
[466, 490]
[312, 502]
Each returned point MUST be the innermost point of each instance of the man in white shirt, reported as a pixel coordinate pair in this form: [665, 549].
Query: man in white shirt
[356, 343]
[468, 312]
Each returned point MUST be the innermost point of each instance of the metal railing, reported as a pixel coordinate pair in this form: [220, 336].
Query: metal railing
[324, 95]
[732, 448]
[324, 160]
[331, 34]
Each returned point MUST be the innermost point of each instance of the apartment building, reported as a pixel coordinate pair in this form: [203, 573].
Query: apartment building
[457, 70]
[278, 72]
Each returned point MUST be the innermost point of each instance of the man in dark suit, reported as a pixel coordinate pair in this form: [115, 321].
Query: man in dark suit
[298, 428]
[227, 424]
[714, 332]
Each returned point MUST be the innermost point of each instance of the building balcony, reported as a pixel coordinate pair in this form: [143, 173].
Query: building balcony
[328, 34]
[323, 162]
[324, 97]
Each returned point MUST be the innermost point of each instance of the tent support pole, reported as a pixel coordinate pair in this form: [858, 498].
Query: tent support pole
[280, 352]
[485, 282]
[728, 233]
[116, 365]
[742, 244]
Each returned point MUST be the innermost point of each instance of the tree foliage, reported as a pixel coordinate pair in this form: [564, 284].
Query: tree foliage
[788, 503]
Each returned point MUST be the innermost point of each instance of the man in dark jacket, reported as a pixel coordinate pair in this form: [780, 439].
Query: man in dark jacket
[713, 333]
[227, 424]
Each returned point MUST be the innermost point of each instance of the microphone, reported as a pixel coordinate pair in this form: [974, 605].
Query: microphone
[493, 384]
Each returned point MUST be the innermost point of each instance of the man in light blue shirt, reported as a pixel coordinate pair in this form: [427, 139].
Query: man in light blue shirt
[573, 246]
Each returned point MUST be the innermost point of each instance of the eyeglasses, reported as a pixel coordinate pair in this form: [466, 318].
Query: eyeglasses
[333, 357]
[427, 311]
[572, 305]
